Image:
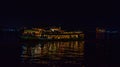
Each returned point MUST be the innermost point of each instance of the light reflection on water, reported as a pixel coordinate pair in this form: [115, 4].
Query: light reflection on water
[70, 52]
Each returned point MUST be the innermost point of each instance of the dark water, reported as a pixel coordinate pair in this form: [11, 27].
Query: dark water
[87, 53]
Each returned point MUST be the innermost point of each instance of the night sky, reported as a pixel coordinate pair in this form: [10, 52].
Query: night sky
[64, 21]
[74, 16]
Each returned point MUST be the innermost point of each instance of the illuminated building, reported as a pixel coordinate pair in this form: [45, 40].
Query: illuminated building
[100, 33]
[52, 33]
[109, 33]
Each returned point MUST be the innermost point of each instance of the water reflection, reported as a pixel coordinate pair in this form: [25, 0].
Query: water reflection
[58, 53]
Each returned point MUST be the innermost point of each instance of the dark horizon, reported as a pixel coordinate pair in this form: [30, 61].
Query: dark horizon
[70, 22]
